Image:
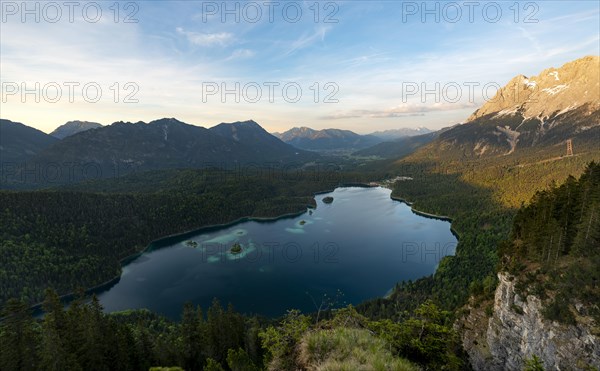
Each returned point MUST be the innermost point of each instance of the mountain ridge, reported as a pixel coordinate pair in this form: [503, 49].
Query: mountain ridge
[167, 143]
[19, 142]
[401, 147]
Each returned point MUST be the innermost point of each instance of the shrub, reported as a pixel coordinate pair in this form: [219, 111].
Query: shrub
[348, 349]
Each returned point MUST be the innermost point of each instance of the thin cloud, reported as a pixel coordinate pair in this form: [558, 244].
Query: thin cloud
[308, 39]
[206, 39]
[403, 110]
[241, 54]
[532, 39]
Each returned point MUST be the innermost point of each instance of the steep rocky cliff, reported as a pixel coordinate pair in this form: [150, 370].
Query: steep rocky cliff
[517, 330]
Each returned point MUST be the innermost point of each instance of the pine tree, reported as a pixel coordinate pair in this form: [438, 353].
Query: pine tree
[212, 365]
[94, 339]
[192, 334]
[238, 360]
[17, 338]
[54, 355]
[534, 364]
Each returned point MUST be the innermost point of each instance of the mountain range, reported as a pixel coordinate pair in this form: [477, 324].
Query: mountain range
[533, 116]
[393, 134]
[123, 148]
[338, 139]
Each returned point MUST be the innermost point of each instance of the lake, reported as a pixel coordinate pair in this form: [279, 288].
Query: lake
[355, 248]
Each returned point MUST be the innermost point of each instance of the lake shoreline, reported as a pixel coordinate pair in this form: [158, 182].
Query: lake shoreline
[68, 297]
[428, 215]
[126, 260]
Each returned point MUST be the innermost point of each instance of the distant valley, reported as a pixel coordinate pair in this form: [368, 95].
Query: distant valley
[337, 139]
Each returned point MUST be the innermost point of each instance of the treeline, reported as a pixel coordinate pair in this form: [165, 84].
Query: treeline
[82, 337]
[554, 247]
[66, 239]
[482, 198]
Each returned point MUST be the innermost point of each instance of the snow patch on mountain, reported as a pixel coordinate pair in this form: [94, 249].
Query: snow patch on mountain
[507, 111]
[567, 109]
[556, 89]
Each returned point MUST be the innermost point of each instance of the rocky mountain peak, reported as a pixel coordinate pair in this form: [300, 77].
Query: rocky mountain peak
[553, 91]
[74, 127]
[167, 121]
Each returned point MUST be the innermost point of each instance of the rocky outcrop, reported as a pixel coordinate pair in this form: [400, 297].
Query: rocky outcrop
[517, 330]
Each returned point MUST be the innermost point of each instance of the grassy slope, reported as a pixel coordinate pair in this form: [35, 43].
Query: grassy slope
[348, 349]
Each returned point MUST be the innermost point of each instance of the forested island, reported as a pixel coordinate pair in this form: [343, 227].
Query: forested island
[328, 199]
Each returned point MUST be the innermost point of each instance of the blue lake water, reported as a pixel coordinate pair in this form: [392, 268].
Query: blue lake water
[356, 248]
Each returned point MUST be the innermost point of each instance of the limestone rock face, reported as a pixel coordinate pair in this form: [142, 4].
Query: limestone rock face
[517, 331]
[554, 90]
[531, 116]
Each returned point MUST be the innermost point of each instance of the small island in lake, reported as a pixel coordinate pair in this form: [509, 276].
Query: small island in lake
[328, 199]
[302, 222]
[191, 243]
[236, 248]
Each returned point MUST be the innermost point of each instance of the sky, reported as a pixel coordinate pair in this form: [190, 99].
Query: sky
[356, 65]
